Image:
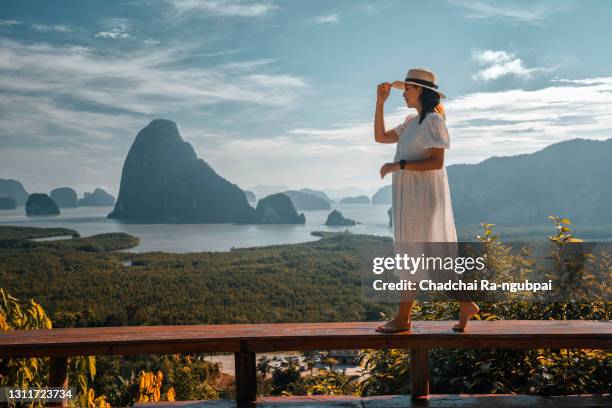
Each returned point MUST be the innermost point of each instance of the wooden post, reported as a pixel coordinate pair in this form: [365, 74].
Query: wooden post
[420, 373]
[58, 377]
[246, 378]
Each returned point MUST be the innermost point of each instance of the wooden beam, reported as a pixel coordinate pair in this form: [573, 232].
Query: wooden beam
[419, 372]
[58, 377]
[246, 378]
[512, 334]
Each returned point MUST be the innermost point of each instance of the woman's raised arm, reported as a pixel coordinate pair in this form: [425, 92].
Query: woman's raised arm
[380, 135]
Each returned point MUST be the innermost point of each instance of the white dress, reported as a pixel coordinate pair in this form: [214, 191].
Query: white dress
[422, 209]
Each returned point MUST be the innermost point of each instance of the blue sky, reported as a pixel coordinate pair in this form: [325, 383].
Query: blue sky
[283, 92]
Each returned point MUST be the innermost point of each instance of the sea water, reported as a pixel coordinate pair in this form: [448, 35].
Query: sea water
[182, 238]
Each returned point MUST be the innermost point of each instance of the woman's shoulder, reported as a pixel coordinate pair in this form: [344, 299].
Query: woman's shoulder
[435, 133]
[409, 117]
[435, 117]
[434, 121]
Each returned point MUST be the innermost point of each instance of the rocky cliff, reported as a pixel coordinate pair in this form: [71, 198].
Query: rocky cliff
[277, 209]
[164, 180]
[41, 204]
[64, 197]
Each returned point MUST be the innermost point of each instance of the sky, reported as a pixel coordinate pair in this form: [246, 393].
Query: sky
[274, 92]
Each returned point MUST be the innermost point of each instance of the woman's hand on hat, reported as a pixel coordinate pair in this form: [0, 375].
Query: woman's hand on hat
[383, 91]
[388, 168]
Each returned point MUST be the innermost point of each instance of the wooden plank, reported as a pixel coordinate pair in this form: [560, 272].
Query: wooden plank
[419, 372]
[401, 401]
[407, 341]
[582, 401]
[58, 377]
[513, 334]
[246, 378]
[565, 328]
[112, 349]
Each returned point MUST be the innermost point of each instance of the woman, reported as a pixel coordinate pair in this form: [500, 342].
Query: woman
[422, 210]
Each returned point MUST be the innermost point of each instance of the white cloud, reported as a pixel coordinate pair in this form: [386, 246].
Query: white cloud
[79, 48]
[303, 160]
[247, 65]
[532, 12]
[481, 125]
[60, 28]
[520, 121]
[217, 53]
[7, 23]
[368, 9]
[497, 64]
[36, 78]
[227, 8]
[277, 81]
[113, 34]
[341, 132]
[116, 28]
[329, 18]
[90, 103]
[587, 81]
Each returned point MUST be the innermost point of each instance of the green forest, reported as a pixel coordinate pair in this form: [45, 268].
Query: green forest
[317, 281]
[83, 282]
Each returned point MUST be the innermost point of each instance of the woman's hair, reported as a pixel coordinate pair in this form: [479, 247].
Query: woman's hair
[430, 102]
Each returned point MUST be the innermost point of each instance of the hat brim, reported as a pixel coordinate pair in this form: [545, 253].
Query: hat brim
[402, 85]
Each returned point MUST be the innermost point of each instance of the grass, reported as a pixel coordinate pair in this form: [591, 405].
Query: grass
[20, 238]
[13, 232]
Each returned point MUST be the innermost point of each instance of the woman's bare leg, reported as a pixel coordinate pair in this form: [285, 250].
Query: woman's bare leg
[466, 311]
[403, 318]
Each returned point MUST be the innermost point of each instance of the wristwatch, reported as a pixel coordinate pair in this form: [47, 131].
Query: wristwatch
[402, 164]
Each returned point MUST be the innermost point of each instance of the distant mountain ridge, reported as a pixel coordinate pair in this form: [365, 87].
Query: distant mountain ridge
[262, 190]
[64, 197]
[568, 178]
[318, 193]
[337, 194]
[13, 189]
[307, 202]
[99, 198]
[361, 199]
[382, 196]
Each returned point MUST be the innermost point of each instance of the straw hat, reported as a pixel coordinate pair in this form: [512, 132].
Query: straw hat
[421, 77]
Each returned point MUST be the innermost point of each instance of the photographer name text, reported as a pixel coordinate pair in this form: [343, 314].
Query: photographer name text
[481, 285]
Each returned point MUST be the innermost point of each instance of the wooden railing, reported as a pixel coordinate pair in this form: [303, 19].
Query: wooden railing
[245, 340]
